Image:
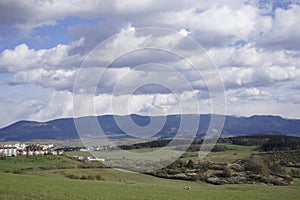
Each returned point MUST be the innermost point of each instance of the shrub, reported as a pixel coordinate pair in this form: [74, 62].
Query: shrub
[17, 171]
[2, 157]
[219, 148]
[227, 172]
[256, 165]
[98, 177]
[276, 168]
[198, 177]
[72, 176]
[190, 164]
[203, 167]
[295, 173]
[83, 177]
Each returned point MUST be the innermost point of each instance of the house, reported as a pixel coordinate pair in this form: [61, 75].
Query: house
[35, 150]
[29, 150]
[20, 147]
[8, 150]
[36, 153]
[30, 153]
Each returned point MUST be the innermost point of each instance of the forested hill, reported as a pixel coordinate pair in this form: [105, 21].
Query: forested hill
[65, 128]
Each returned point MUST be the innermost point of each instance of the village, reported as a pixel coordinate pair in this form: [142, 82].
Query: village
[18, 149]
[12, 150]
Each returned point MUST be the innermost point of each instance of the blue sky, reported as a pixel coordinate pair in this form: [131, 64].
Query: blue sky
[254, 44]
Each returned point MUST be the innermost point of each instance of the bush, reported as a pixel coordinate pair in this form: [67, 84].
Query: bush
[2, 157]
[256, 165]
[227, 172]
[276, 168]
[17, 171]
[98, 177]
[83, 177]
[219, 148]
[72, 176]
[203, 167]
[190, 164]
[198, 177]
[295, 173]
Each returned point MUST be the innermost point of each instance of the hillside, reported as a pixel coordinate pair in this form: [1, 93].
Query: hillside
[62, 129]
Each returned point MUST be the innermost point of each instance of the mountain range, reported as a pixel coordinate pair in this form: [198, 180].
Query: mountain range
[63, 129]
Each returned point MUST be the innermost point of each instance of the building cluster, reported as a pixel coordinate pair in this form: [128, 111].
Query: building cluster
[28, 150]
[8, 150]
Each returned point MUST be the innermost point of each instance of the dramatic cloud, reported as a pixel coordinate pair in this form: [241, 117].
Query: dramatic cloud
[284, 32]
[254, 44]
[58, 79]
[23, 58]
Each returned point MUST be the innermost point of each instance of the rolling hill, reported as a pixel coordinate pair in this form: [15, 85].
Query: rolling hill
[61, 129]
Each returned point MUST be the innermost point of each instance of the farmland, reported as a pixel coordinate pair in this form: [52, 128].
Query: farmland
[59, 177]
[125, 185]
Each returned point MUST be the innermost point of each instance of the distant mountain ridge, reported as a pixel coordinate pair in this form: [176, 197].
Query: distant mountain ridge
[62, 129]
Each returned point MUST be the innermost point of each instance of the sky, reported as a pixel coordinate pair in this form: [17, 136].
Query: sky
[255, 46]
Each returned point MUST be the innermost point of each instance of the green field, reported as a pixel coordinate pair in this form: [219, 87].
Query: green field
[35, 163]
[125, 185]
[59, 177]
[233, 153]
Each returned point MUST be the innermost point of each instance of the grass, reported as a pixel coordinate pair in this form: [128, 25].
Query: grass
[47, 186]
[117, 158]
[109, 154]
[117, 184]
[78, 153]
[35, 162]
[233, 153]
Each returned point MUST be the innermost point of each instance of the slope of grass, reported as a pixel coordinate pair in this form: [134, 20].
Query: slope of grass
[29, 186]
[35, 162]
[116, 184]
[233, 153]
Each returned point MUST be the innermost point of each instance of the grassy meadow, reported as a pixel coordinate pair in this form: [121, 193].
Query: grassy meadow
[126, 185]
[59, 177]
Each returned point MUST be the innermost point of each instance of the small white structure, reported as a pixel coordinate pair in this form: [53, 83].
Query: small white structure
[84, 150]
[79, 157]
[95, 159]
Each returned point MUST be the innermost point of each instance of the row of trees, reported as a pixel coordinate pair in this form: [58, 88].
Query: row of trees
[266, 142]
[281, 143]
